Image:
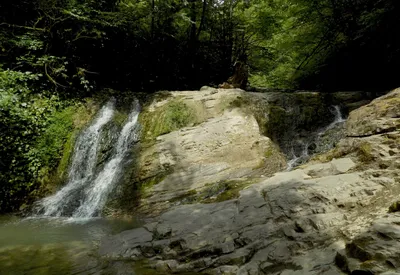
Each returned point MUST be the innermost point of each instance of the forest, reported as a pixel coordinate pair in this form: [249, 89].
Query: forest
[56, 53]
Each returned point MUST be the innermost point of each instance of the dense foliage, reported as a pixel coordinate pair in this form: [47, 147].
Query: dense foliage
[24, 116]
[53, 53]
[322, 44]
[180, 44]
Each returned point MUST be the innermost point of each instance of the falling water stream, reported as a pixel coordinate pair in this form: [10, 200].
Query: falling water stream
[63, 236]
[84, 186]
[82, 166]
[296, 159]
[96, 194]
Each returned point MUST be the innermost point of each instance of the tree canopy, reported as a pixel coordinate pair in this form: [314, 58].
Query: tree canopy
[55, 52]
[151, 45]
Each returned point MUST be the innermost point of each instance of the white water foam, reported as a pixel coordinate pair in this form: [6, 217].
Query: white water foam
[83, 164]
[305, 155]
[81, 177]
[96, 195]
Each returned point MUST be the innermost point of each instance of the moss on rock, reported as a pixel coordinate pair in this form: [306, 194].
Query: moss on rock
[277, 119]
[215, 192]
[66, 155]
[150, 182]
[255, 106]
[335, 153]
[55, 146]
[171, 116]
[120, 118]
[377, 117]
[395, 207]
[365, 152]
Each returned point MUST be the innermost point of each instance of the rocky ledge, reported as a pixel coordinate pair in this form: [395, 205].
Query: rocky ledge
[207, 145]
[329, 216]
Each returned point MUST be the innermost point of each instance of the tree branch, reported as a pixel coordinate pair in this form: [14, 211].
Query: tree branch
[52, 79]
[23, 27]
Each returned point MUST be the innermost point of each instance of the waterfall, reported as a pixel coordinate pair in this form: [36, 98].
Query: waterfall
[86, 191]
[82, 167]
[297, 159]
[338, 119]
[96, 194]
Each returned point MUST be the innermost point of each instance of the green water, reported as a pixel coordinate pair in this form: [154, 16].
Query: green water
[58, 246]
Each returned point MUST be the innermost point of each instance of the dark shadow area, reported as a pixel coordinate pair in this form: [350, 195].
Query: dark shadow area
[375, 250]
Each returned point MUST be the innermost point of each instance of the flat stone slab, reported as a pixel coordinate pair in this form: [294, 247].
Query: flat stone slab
[276, 224]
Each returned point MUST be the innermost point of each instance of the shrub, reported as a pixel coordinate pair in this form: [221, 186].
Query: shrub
[35, 128]
[365, 152]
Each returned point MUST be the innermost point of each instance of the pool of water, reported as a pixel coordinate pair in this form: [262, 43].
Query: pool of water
[58, 246]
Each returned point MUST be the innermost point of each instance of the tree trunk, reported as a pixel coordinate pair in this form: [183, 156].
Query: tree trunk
[193, 19]
[203, 18]
[152, 18]
[192, 45]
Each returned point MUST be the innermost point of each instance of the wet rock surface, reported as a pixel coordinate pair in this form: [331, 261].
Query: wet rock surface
[326, 217]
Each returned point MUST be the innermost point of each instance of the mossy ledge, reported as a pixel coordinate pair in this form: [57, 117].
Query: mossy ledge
[168, 116]
[55, 146]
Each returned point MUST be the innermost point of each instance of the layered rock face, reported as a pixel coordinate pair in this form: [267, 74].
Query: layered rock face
[200, 144]
[329, 216]
[220, 144]
[374, 133]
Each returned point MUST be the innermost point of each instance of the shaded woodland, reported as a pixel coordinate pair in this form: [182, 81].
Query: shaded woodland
[54, 53]
[152, 45]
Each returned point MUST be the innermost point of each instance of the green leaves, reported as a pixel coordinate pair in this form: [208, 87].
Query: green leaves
[29, 41]
[25, 115]
[323, 44]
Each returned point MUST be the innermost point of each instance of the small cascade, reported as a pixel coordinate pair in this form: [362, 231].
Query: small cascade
[314, 141]
[297, 160]
[96, 195]
[82, 166]
[87, 189]
[338, 120]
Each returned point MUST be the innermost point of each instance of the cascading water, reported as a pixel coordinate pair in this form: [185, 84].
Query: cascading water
[86, 192]
[297, 159]
[96, 194]
[338, 119]
[82, 166]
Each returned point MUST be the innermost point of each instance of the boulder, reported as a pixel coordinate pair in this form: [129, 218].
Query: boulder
[224, 142]
[374, 251]
[276, 224]
[380, 116]
[223, 135]
[345, 97]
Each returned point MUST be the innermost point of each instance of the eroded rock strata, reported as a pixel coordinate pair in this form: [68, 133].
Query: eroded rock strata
[329, 216]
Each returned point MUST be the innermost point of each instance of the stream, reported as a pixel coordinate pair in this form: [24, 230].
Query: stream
[63, 234]
[300, 151]
[58, 245]
[64, 231]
